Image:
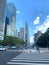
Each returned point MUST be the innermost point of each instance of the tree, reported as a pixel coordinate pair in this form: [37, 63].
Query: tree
[0, 42]
[11, 41]
[43, 40]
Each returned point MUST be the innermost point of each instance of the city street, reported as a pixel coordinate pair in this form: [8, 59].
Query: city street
[25, 58]
[24, 32]
[6, 56]
[30, 59]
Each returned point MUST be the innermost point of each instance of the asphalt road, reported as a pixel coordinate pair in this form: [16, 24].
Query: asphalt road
[30, 59]
[6, 56]
[16, 58]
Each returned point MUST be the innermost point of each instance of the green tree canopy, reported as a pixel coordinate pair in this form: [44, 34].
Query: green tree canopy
[11, 41]
[43, 40]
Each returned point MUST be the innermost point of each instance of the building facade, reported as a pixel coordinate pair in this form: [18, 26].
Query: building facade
[11, 14]
[22, 33]
[37, 35]
[16, 33]
[2, 18]
[6, 24]
[26, 32]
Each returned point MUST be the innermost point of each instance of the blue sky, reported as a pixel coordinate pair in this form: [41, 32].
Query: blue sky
[35, 12]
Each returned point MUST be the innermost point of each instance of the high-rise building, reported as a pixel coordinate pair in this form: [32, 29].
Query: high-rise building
[26, 32]
[16, 33]
[2, 18]
[6, 23]
[22, 33]
[11, 14]
[37, 35]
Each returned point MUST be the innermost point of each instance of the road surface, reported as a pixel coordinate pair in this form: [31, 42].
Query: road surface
[25, 58]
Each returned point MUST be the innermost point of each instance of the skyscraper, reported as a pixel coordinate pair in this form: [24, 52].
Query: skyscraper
[11, 14]
[6, 23]
[22, 33]
[26, 32]
[2, 18]
[16, 33]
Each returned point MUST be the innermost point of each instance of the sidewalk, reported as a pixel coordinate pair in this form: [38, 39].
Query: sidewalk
[28, 50]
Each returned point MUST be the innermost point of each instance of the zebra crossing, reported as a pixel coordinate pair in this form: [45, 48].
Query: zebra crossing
[18, 60]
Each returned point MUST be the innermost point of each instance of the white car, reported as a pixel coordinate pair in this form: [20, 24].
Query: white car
[13, 47]
[2, 48]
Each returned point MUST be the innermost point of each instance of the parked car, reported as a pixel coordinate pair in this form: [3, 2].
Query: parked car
[2, 48]
[13, 47]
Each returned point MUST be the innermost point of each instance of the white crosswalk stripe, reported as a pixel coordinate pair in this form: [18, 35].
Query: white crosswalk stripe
[15, 63]
[22, 61]
[18, 60]
[46, 59]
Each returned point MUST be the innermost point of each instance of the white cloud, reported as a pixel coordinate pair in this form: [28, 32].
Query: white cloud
[44, 26]
[37, 20]
[18, 12]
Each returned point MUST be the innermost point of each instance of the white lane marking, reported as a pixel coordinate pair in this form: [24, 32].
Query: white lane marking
[46, 59]
[25, 63]
[22, 58]
[30, 60]
[18, 63]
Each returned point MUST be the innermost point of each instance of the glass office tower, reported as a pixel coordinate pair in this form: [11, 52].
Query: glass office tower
[11, 14]
[2, 18]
